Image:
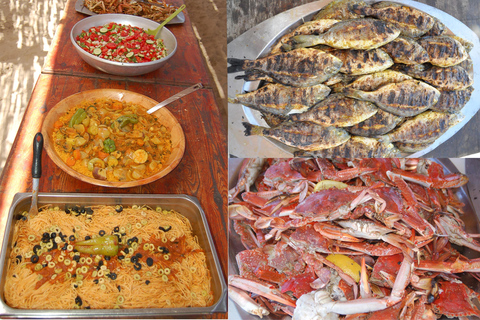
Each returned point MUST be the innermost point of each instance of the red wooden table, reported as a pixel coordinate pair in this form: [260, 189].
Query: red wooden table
[202, 172]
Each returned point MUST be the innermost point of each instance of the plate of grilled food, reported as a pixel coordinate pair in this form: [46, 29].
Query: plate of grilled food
[352, 78]
[353, 249]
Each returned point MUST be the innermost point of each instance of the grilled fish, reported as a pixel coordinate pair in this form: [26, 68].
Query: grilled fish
[406, 50]
[410, 21]
[406, 99]
[310, 27]
[468, 45]
[338, 9]
[380, 123]
[444, 51]
[359, 62]
[423, 128]
[280, 99]
[437, 30]
[411, 147]
[452, 101]
[301, 135]
[371, 82]
[273, 120]
[360, 34]
[298, 68]
[449, 78]
[356, 147]
[337, 110]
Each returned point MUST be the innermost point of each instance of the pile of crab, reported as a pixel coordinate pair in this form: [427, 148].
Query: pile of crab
[351, 239]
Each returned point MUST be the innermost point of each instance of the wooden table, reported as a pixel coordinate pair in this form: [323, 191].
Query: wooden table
[242, 15]
[202, 173]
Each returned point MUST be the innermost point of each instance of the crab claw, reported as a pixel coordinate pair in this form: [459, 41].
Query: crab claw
[246, 303]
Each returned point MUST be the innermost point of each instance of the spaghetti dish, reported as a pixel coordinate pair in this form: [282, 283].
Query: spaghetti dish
[131, 258]
[112, 140]
[153, 10]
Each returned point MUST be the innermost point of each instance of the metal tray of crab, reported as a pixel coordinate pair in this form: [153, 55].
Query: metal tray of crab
[394, 240]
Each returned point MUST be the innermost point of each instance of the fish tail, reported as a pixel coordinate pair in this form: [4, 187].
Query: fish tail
[304, 41]
[232, 100]
[236, 65]
[352, 93]
[251, 129]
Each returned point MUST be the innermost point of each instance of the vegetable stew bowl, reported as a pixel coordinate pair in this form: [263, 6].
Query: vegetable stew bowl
[163, 115]
[122, 68]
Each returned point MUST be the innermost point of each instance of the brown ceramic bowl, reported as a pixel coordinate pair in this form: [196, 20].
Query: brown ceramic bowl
[164, 116]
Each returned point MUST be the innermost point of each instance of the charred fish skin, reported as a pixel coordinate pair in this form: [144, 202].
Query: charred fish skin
[337, 110]
[360, 34]
[374, 81]
[412, 147]
[468, 45]
[423, 128]
[438, 28]
[356, 147]
[360, 62]
[280, 99]
[449, 78]
[379, 124]
[406, 99]
[338, 9]
[301, 135]
[308, 28]
[406, 50]
[444, 51]
[452, 101]
[410, 21]
[273, 120]
[299, 68]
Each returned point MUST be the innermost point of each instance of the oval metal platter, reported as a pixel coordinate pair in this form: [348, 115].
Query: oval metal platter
[257, 42]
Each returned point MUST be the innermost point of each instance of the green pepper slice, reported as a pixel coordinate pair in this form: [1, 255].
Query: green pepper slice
[109, 145]
[77, 117]
[127, 119]
[106, 245]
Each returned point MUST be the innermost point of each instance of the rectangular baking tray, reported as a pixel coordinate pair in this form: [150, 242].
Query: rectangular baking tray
[470, 217]
[186, 205]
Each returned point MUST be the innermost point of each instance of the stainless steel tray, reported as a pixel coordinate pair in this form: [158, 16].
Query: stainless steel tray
[186, 205]
[80, 7]
[471, 219]
[256, 43]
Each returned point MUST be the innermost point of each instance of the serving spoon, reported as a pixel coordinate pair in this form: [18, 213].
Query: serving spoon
[36, 171]
[155, 32]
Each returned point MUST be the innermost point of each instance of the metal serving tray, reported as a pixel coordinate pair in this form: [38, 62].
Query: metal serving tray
[257, 43]
[470, 217]
[186, 205]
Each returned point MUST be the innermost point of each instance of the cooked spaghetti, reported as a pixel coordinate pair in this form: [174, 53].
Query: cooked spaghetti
[112, 140]
[159, 263]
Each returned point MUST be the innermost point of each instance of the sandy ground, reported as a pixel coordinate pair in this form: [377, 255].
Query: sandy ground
[26, 31]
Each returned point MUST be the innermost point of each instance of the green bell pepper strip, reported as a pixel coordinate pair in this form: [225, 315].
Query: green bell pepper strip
[77, 117]
[127, 119]
[106, 245]
[109, 145]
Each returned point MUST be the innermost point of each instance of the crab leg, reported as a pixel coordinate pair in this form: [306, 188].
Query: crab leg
[260, 288]
[455, 232]
[246, 303]
[458, 266]
[248, 174]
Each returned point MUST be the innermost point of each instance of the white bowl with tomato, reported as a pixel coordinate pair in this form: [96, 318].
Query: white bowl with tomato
[118, 44]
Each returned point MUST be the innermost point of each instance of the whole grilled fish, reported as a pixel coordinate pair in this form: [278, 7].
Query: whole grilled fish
[380, 123]
[373, 81]
[301, 135]
[444, 51]
[360, 34]
[449, 78]
[310, 27]
[468, 45]
[359, 62]
[406, 99]
[412, 22]
[411, 147]
[406, 50]
[337, 110]
[298, 68]
[356, 147]
[423, 128]
[338, 9]
[452, 101]
[280, 99]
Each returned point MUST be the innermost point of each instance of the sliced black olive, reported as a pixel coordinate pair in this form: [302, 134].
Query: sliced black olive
[88, 237]
[166, 229]
[147, 282]
[65, 246]
[120, 257]
[112, 275]
[95, 281]
[116, 229]
[118, 208]
[45, 240]
[149, 262]
[164, 250]
[107, 258]
[119, 288]
[54, 247]
[18, 259]
[71, 238]
[139, 255]
[129, 242]
[134, 259]
[78, 301]
[34, 258]
[67, 211]
[135, 239]
[137, 266]
[36, 248]
[88, 307]
[101, 233]
[46, 235]
[76, 258]
[53, 235]
[89, 211]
